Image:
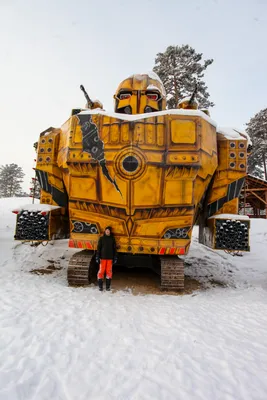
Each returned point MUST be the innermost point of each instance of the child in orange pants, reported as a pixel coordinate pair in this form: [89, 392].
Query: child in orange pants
[107, 256]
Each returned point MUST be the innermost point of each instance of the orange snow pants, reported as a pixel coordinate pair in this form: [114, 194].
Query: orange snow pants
[105, 267]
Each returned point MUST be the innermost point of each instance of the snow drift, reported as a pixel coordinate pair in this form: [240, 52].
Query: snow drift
[58, 342]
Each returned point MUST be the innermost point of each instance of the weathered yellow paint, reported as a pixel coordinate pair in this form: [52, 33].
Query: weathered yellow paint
[230, 207]
[100, 221]
[183, 131]
[46, 198]
[146, 191]
[208, 137]
[157, 227]
[230, 168]
[178, 192]
[176, 159]
[57, 182]
[85, 187]
[109, 196]
[183, 158]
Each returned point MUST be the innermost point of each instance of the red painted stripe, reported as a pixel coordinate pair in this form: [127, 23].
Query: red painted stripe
[88, 245]
[172, 250]
[71, 243]
[181, 251]
[80, 245]
[162, 250]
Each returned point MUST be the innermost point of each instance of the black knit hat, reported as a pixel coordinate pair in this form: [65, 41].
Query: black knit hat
[108, 227]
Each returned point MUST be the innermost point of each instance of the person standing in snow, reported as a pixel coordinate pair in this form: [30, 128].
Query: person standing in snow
[107, 256]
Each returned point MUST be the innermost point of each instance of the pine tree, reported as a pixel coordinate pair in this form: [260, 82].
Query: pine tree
[257, 130]
[179, 68]
[11, 177]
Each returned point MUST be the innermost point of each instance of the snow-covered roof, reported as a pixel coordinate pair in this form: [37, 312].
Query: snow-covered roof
[233, 133]
[230, 216]
[256, 177]
[136, 117]
[36, 207]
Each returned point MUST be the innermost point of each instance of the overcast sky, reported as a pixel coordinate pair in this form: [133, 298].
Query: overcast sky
[49, 47]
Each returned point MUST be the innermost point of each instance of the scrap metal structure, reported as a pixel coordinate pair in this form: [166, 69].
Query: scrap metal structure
[149, 173]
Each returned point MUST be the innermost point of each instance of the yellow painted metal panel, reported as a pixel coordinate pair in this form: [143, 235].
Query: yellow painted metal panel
[208, 137]
[157, 227]
[178, 192]
[181, 157]
[218, 192]
[108, 193]
[139, 133]
[105, 134]
[160, 135]
[114, 133]
[146, 191]
[125, 133]
[183, 131]
[84, 189]
[154, 157]
[100, 220]
[150, 134]
[56, 182]
[231, 207]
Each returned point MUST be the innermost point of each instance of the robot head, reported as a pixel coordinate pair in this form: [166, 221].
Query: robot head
[141, 93]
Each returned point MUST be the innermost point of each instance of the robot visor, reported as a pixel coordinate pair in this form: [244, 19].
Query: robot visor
[150, 95]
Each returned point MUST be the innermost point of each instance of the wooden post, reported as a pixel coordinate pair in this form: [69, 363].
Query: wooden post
[245, 186]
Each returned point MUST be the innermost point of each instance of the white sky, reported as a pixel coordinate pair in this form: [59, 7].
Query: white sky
[48, 48]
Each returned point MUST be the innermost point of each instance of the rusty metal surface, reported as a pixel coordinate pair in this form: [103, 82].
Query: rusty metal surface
[172, 273]
[78, 268]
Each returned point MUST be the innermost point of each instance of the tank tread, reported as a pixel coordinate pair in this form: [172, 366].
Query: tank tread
[78, 268]
[172, 273]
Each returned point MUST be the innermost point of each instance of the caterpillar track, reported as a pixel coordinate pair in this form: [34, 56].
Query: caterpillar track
[82, 269]
[172, 273]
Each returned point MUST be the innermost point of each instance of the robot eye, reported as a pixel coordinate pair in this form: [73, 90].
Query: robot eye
[124, 96]
[152, 96]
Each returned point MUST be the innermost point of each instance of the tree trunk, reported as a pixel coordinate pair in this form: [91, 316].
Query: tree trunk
[175, 84]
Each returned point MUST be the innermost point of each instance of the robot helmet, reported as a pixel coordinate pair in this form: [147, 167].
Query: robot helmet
[140, 93]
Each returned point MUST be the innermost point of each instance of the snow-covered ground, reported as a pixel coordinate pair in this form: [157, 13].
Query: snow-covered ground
[63, 343]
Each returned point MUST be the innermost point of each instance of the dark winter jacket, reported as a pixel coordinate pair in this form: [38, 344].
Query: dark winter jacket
[106, 248]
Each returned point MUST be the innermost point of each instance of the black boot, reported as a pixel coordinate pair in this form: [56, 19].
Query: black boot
[108, 283]
[100, 284]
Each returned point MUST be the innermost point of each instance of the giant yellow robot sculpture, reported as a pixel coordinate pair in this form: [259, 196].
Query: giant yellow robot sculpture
[148, 172]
